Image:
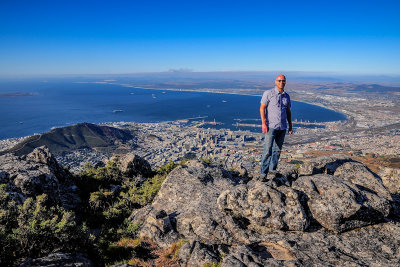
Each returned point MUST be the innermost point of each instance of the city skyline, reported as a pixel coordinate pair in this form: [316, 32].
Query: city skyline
[100, 37]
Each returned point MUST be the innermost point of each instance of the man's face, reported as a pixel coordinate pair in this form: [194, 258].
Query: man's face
[280, 82]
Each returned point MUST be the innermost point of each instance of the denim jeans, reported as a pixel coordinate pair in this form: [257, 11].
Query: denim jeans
[273, 142]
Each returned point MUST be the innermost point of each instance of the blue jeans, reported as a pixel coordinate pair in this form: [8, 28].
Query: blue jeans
[273, 142]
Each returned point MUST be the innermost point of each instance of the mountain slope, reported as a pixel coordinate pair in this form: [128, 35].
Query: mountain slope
[66, 139]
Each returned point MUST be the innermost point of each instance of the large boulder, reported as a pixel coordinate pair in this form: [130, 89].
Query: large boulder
[359, 174]
[187, 201]
[340, 205]
[133, 165]
[324, 164]
[38, 173]
[316, 219]
[276, 208]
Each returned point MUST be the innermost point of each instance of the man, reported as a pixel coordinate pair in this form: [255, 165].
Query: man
[275, 116]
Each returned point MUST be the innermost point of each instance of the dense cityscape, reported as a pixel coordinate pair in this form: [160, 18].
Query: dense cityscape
[372, 128]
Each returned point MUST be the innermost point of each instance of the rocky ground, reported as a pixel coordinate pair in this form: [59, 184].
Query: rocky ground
[328, 211]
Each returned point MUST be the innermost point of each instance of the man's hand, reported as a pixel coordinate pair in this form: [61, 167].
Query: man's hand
[290, 130]
[264, 128]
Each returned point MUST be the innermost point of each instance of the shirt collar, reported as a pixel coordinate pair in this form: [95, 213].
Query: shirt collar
[277, 91]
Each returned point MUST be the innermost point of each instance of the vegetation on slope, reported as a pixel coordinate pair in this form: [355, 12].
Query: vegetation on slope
[99, 227]
[78, 136]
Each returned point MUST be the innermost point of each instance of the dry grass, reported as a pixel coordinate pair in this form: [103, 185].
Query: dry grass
[149, 254]
[169, 256]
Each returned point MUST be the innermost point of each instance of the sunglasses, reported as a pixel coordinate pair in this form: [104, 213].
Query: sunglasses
[283, 81]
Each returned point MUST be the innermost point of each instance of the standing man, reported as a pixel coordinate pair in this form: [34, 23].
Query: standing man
[275, 116]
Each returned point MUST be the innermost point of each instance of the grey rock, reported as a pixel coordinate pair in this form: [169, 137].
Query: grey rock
[241, 171]
[375, 245]
[202, 254]
[160, 227]
[290, 171]
[140, 215]
[133, 165]
[189, 197]
[59, 259]
[359, 174]
[38, 173]
[325, 164]
[347, 207]
[391, 179]
[263, 205]
[340, 205]
[260, 254]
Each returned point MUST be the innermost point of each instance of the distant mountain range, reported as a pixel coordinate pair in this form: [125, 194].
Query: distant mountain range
[188, 75]
[78, 136]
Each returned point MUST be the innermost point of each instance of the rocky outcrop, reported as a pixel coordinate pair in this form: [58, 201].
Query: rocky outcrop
[186, 206]
[340, 205]
[391, 179]
[263, 205]
[330, 211]
[315, 214]
[325, 164]
[133, 165]
[35, 174]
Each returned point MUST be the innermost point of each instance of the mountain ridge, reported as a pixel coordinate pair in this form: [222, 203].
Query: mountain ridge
[70, 138]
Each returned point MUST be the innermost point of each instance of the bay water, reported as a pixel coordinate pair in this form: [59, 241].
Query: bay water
[63, 102]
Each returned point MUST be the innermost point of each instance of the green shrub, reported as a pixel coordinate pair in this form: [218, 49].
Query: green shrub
[109, 173]
[42, 228]
[35, 228]
[145, 194]
[167, 168]
[129, 229]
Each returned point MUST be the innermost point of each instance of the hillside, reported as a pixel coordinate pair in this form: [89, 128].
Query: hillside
[70, 138]
[327, 211]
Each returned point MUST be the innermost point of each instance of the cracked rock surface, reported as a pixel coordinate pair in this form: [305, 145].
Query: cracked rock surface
[328, 212]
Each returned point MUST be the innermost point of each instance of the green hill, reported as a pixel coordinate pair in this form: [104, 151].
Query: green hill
[65, 139]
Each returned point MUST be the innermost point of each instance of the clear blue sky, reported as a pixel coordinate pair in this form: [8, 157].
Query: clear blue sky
[86, 37]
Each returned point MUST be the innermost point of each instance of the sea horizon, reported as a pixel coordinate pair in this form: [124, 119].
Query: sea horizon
[60, 103]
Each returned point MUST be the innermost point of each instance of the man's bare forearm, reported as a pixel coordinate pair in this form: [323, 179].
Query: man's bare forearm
[262, 114]
[263, 119]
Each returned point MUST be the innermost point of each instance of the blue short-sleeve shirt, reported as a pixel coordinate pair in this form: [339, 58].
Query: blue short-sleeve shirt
[276, 106]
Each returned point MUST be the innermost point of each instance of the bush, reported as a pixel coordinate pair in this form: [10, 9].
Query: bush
[145, 194]
[42, 229]
[35, 228]
[167, 168]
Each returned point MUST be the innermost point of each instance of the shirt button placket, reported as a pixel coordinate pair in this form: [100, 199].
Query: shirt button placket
[280, 111]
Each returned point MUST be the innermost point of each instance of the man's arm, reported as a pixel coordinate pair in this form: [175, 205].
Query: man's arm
[263, 118]
[289, 119]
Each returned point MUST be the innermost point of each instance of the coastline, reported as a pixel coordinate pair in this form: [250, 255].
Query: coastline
[18, 139]
[228, 93]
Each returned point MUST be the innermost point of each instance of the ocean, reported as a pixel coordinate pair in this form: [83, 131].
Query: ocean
[63, 102]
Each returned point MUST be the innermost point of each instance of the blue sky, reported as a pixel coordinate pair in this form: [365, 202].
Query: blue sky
[101, 37]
